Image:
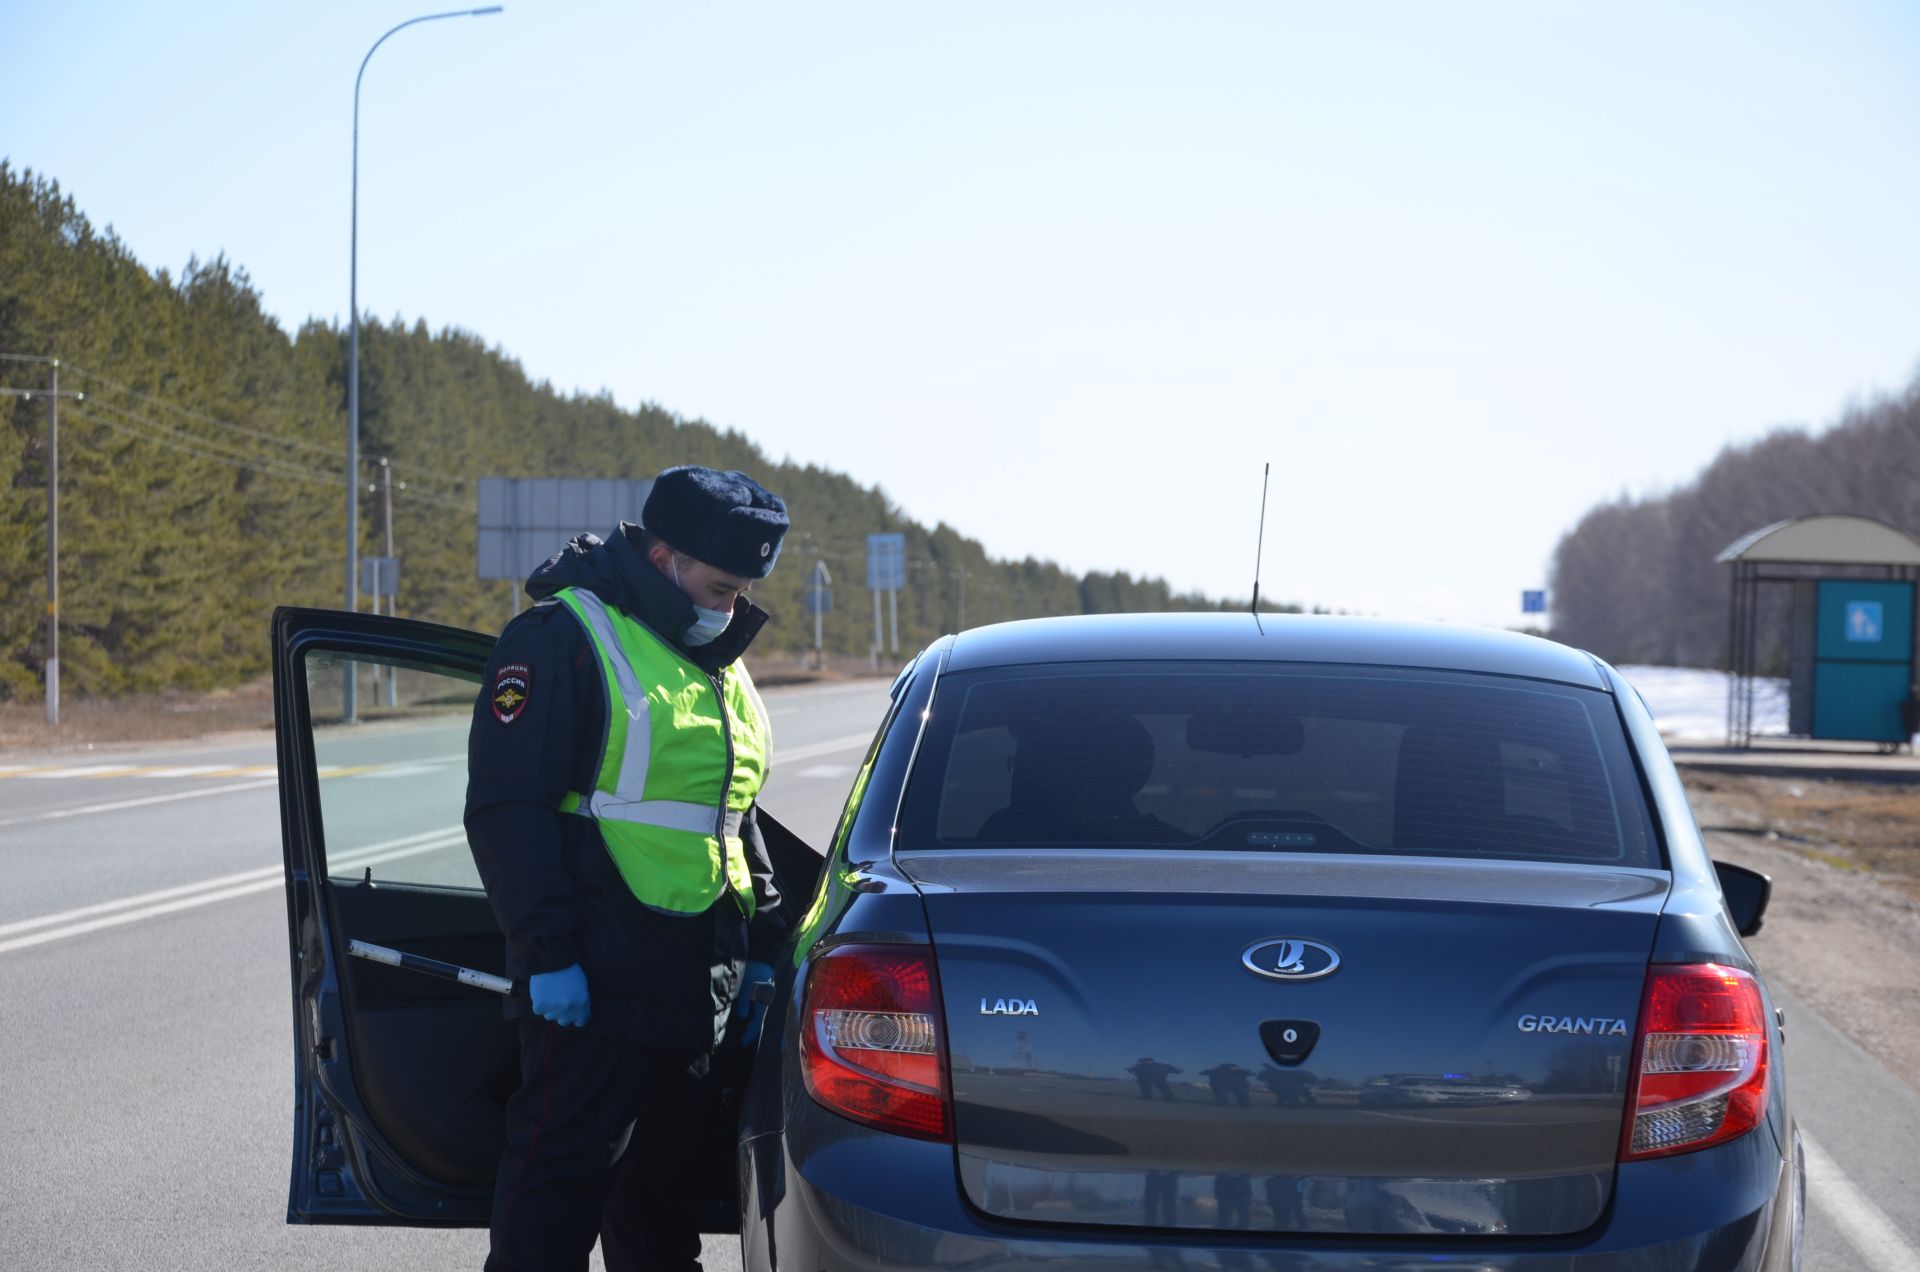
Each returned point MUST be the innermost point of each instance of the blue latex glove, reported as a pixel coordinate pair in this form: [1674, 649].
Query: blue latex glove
[755, 973]
[560, 996]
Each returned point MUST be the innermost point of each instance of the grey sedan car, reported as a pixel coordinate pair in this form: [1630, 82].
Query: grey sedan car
[1155, 941]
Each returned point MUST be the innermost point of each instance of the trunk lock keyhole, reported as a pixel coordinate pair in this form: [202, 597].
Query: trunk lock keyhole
[1289, 1041]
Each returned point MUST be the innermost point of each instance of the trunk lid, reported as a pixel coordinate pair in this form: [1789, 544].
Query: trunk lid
[1118, 1057]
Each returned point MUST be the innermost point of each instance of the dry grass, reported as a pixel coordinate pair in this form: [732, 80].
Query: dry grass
[168, 717]
[1872, 827]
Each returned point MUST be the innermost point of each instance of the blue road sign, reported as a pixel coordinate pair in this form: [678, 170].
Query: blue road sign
[1865, 621]
[1533, 602]
[886, 562]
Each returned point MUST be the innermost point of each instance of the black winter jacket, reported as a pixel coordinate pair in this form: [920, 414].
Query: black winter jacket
[660, 979]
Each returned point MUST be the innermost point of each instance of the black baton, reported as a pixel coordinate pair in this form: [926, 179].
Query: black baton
[431, 966]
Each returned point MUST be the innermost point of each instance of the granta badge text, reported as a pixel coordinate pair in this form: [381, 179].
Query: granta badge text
[1603, 1026]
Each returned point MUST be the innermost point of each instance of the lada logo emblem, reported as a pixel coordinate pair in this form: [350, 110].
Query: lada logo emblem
[1009, 1007]
[1290, 958]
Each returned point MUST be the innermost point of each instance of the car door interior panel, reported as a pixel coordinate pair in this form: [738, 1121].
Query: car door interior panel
[433, 1060]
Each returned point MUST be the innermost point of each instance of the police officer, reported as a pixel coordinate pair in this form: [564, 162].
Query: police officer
[616, 753]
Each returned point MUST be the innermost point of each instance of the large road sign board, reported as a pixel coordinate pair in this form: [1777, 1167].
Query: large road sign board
[886, 562]
[524, 520]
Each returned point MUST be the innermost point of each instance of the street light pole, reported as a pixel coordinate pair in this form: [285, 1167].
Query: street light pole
[353, 339]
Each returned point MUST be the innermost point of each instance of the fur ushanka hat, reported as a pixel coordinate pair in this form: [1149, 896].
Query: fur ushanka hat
[728, 520]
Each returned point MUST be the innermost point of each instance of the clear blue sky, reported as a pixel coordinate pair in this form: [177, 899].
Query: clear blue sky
[1066, 274]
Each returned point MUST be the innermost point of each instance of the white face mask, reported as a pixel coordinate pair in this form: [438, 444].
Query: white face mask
[707, 623]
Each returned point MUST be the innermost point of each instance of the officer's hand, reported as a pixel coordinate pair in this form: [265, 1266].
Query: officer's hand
[755, 973]
[560, 996]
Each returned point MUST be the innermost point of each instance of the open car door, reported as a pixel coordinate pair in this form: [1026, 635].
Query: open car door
[402, 1079]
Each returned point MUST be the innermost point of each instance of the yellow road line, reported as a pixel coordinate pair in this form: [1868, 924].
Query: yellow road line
[173, 772]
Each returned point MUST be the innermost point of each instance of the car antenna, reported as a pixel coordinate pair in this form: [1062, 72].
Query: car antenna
[1259, 546]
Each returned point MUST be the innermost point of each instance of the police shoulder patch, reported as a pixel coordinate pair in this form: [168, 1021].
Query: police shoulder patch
[512, 690]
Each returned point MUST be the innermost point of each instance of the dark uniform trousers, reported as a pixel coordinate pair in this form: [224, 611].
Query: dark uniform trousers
[597, 1146]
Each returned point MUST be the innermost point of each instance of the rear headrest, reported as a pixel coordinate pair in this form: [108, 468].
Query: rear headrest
[1110, 750]
[1449, 789]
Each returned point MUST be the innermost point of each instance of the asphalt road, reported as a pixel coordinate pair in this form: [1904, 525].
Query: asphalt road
[145, 1058]
[146, 1086]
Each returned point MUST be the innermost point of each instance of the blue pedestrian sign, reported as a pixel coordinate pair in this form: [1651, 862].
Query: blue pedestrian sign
[886, 562]
[1533, 602]
[1865, 621]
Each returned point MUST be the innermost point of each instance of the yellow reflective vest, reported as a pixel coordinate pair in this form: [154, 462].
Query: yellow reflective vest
[680, 764]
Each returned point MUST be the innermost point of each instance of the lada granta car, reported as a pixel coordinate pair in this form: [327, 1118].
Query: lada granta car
[1150, 941]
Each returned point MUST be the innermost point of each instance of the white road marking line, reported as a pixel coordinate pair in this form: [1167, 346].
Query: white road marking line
[1863, 1225]
[145, 898]
[351, 857]
[132, 916]
[825, 771]
[88, 809]
[89, 770]
[225, 888]
[187, 770]
[794, 754]
[109, 914]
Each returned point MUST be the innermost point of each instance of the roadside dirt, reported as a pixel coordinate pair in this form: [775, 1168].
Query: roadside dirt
[1843, 928]
[88, 723]
[1870, 827]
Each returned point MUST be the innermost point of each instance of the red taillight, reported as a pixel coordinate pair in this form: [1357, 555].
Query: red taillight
[1699, 1061]
[870, 1046]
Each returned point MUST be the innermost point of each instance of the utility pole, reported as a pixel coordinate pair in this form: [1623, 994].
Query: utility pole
[962, 625]
[53, 395]
[53, 549]
[393, 599]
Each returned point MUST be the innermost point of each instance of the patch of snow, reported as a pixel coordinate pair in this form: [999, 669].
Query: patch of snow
[1691, 704]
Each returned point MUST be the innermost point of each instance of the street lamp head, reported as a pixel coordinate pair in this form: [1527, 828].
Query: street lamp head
[481, 13]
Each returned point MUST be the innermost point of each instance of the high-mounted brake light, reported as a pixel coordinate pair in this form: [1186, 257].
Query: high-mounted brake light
[1699, 1061]
[870, 1044]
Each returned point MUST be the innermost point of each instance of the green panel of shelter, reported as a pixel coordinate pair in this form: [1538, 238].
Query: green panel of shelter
[1864, 661]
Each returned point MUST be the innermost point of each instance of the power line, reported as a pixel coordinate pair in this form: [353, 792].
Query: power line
[458, 505]
[201, 416]
[213, 448]
[412, 467]
[257, 434]
[228, 452]
[269, 468]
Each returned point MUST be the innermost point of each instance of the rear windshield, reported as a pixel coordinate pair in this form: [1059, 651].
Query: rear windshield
[1276, 758]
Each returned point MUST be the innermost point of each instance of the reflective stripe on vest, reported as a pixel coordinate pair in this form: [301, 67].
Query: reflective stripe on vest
[679, 765]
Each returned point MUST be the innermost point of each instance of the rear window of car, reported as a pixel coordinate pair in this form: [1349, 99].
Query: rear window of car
[1283, 758]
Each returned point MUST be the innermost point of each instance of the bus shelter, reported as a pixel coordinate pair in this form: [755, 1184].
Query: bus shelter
[1852, 626]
